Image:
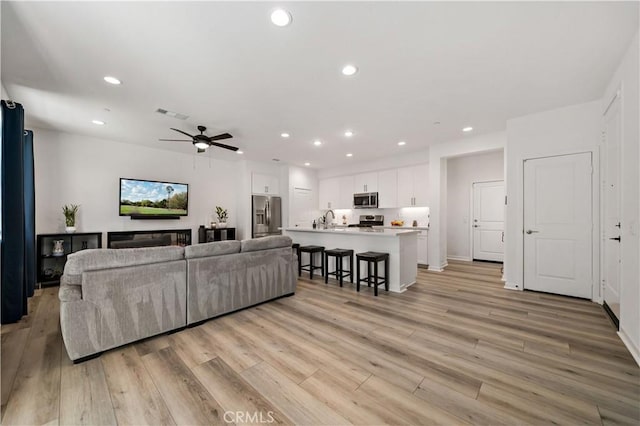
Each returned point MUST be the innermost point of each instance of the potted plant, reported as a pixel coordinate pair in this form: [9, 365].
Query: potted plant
[222, 216]
[70, 217]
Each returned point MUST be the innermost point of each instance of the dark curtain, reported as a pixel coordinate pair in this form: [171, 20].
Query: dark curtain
[17, 245]
[29, 216]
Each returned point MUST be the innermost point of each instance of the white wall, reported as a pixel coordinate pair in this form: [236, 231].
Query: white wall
[4, 94]
[438, 155]
[86, 171]
[302, 179]
[462, 172]
[626, 79]
[562, 131]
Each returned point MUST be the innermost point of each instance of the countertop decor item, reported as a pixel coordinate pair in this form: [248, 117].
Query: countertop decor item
[70, 211]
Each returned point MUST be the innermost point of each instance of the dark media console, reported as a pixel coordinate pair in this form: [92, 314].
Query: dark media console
[133, 239]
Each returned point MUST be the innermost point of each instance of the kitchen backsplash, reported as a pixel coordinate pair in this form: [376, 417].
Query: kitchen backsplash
[407, 214]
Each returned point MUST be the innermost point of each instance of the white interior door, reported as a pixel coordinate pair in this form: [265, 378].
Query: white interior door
[488, 221]
[303, 208]
[558, 225]
[612, 208]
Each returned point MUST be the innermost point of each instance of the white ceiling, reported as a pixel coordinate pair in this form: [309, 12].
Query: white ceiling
[228, 68]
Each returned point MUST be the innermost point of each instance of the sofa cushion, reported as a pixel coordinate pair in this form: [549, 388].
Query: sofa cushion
[94, 259]
[216, 248]
[266, 243]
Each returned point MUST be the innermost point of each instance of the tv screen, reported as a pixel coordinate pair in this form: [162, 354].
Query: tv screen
[152, 198]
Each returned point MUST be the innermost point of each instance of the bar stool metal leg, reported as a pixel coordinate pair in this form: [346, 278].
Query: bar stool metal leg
[375, 278]
[326, 273]
[358, 280]
[339, 268]
[386, 274]
[351, 268]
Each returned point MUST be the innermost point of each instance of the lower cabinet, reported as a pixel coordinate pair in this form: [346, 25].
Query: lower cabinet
[423, 258]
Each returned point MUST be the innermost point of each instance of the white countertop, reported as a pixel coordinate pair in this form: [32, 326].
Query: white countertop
[369, 232]
[406, 227]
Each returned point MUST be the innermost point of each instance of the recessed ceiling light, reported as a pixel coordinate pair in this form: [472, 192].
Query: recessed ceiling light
[239, 152]
[98, 122]
[348, 133]
[349, 155]
[285, 135]
[467, 129]
[112, 80]
[436, 123]
[402, 143]
[349, 70]
[317, 142]
[280, 17]
[307, 164]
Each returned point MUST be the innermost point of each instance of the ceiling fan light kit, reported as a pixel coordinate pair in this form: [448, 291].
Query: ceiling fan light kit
[202, 141]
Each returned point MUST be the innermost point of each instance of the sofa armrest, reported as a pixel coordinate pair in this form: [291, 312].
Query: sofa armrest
[68, 293]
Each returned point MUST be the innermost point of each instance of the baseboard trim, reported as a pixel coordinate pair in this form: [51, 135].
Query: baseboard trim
[434, 269]
[612, 316]
[460, 258]
[512, 286]
[635, 352]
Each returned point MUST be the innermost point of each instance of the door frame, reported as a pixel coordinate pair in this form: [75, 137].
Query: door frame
[596, 189]
[616, 99]
[471, 199]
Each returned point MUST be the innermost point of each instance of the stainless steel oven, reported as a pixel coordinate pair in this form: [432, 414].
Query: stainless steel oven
[365, 200]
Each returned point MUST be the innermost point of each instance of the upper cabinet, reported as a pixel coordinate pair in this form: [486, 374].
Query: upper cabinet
[388, 189]
[328, 193]
[413, 186]
[336, 193]
[366, 182]
[264, 184]
[404, 187]
[346, 184]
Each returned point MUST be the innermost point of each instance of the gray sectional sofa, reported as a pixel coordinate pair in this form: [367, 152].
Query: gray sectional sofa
[109, 297]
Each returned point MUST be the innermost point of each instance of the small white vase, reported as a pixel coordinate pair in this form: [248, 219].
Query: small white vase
[222, 225]
[70, 229]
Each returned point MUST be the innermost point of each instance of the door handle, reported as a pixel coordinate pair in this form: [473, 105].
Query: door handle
[476, 226]
[530, 231]
[618, 239]
[502, 237]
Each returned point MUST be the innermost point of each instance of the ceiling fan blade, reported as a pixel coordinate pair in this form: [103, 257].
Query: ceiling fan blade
[221, 145]
[201, 150]
[180, 131]
[220, 137]
[175, 140]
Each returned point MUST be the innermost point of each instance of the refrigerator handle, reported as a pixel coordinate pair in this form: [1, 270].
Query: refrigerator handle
[266, 213]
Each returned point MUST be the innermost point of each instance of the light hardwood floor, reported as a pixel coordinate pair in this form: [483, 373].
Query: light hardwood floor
[456, 348]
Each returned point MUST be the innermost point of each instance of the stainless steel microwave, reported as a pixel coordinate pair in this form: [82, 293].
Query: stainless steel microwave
[365, 200]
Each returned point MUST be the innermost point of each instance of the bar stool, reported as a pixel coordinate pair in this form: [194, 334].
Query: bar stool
[310, 266]
[372, 257]
[296, 249]
[339, 272]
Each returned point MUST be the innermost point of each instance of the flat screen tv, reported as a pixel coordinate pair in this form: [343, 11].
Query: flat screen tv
[148, 198]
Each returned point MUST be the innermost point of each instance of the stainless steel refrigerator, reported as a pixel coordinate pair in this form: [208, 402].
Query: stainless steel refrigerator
[266, 212]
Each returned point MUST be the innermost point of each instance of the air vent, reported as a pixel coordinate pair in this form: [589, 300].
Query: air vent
[172, 114]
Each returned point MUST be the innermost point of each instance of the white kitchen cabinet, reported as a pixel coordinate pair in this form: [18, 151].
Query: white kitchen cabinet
[413, 186]
[329, 193]
[421, 185]
[423, 258]
[388, 189]
[346, 186]
[336, 193]
[264, 184]
[366, 182]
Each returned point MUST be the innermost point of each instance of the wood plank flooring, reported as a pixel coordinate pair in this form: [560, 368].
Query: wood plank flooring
[456, 348]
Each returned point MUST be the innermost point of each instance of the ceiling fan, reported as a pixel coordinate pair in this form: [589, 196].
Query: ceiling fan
[202, 141]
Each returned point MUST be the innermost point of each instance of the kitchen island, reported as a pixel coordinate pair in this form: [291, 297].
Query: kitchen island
[401, 244]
